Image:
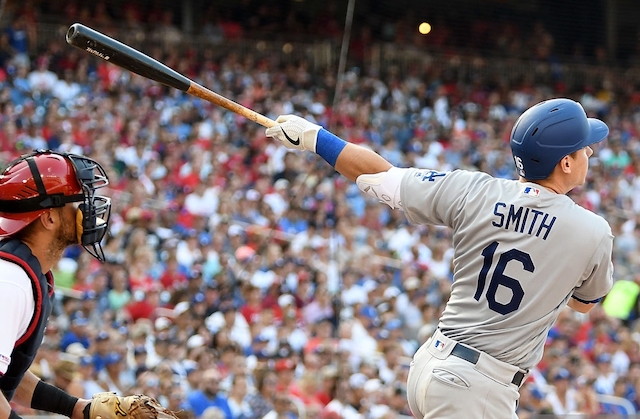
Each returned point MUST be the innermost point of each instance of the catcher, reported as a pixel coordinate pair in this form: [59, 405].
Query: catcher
[48, 202]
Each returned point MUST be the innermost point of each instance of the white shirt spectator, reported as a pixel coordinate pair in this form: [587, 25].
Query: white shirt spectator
[134, 157]
[202, 201]
[354, 294]
[239, 333]
[276, 200]
[42, 80]
[345, 411]
[66, 90]
[570, 404]
[188, 252]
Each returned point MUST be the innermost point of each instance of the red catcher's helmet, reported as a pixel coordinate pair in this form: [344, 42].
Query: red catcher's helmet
[36, 182]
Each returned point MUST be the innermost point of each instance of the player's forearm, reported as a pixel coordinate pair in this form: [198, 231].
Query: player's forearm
[355, 160]
[24, 392]
[5, 407]
[350, 160]
[34, 393]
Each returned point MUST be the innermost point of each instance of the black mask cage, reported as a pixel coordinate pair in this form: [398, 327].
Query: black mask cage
[96, 210]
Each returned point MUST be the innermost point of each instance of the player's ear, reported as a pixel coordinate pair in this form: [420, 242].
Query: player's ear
[565, 164]
[48, 219]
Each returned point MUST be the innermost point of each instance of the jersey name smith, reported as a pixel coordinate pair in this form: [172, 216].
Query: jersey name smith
[523, 220]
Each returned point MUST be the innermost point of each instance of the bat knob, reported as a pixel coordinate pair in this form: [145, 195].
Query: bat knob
[71, 32]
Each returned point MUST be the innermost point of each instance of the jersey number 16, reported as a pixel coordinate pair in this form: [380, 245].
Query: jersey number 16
[499, 278]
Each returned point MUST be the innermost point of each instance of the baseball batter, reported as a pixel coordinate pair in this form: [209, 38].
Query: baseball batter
[523, 250]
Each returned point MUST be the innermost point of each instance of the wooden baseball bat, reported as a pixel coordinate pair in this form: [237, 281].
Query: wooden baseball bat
[124, 56]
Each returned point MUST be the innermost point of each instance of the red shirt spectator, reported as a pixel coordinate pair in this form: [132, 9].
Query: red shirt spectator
[172, 278]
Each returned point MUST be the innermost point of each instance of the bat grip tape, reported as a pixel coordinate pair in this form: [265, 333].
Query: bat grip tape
[52, 399]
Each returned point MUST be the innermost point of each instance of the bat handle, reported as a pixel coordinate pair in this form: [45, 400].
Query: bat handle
[202, 92]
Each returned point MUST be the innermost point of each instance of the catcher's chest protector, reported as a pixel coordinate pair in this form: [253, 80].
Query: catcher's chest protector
[27, 346]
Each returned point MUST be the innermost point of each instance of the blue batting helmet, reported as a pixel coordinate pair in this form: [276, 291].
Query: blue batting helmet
[547, 132]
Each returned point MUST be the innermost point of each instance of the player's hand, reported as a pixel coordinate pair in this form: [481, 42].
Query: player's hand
[295, 132]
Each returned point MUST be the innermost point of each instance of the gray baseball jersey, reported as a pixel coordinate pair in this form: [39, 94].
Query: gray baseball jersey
[521, 251]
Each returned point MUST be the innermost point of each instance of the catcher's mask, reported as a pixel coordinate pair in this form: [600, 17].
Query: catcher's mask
[46, 179]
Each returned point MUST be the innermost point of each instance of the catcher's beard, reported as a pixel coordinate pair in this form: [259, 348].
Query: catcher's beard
[65, 236]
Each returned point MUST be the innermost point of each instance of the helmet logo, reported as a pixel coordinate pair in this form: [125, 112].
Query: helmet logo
[519, 165]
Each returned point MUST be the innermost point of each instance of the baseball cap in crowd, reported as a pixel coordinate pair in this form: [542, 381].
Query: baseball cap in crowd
[102, 336]
[198, 298]
[383, 308]
[562, 374]
[139, 350]
[76, 349]
[260, 338]
[411, 283]
[112, 358]
[234, 230]
[88, 295]
[190, 366]
[226, 306]
[78, 319]
[393, 324]
[161, 323]
[391, 292]
[195, 341]
[244, 253]
[285, 300]
[379, 411]
[181, 308]
[382, 334]
[281, 184]
[372, 384]
[603, 357]
[85, 360]
[252, 195]
[357, 380]
[368, 311]
[284, 365]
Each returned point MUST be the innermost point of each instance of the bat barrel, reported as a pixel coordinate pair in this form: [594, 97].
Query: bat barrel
[122, 55]
[115, 52]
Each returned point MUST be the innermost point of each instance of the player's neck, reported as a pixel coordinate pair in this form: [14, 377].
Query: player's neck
[44, 253]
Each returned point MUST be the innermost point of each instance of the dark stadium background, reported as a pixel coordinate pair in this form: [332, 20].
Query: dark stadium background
[574, 23]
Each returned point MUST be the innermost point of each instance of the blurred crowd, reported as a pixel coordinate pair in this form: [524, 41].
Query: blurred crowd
[247, 281]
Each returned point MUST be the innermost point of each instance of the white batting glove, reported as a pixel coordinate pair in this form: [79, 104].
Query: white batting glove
[295, 132]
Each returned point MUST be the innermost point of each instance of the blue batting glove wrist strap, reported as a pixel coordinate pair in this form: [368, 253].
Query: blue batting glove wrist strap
[329, 146]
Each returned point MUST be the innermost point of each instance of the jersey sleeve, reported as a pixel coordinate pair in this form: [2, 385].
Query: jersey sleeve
[599, 280]
[17, 303]
[432, 197]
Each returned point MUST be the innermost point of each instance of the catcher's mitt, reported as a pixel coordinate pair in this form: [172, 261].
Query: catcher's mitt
[110, 406]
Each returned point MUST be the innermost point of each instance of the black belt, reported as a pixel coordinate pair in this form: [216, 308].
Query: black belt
[471, 355]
